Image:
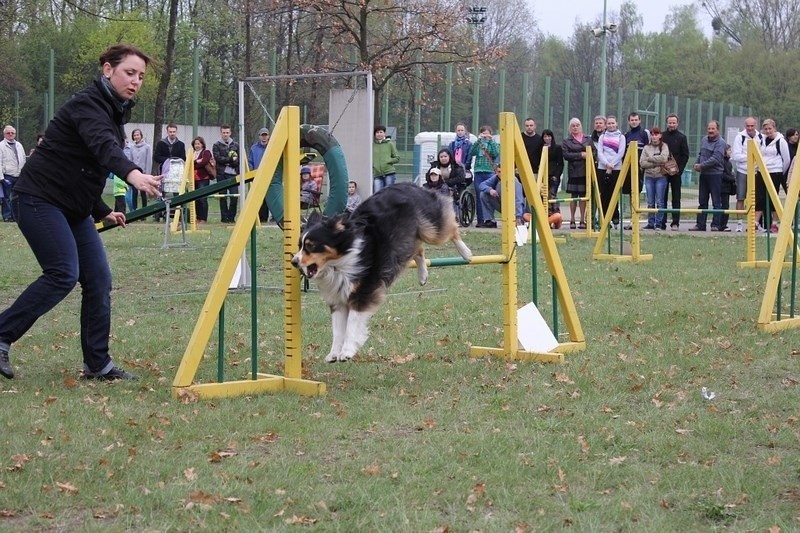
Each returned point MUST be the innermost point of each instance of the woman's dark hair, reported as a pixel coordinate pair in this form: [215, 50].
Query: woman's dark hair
[115, 54]
[379, 127]
[790, 132]
[550, 133]
[202, 141]
[448, 152]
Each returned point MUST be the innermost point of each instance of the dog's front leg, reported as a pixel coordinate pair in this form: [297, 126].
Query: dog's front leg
[422, 268]
[357, 333]
[339, 316]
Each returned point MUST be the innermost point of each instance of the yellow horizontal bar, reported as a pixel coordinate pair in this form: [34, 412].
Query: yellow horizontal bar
[264, 383]
[762, 263]
[517, 355]
[780, 325]
[566, 347]
[622, 258]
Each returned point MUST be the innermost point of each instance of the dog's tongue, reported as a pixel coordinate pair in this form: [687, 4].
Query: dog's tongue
[312, 271]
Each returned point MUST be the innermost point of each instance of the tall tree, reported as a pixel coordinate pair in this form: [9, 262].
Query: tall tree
[166, 74]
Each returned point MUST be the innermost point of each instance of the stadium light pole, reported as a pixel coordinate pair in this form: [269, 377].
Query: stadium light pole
[476, 16]
[603, 32]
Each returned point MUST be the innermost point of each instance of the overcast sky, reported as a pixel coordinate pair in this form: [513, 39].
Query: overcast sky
[558, 18]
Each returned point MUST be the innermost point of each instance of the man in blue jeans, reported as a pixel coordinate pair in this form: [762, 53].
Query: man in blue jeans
[490, 190]
[711, 165]
[12, 159]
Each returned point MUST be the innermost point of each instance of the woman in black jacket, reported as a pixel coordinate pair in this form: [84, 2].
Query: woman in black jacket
[555, 167]
[58, 198]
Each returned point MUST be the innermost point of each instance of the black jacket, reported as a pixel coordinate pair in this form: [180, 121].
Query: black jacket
[678, 148]
[164, 150]
[222, 153]
[457, 175]
[82, 144]
[555, 160]
[533, 146]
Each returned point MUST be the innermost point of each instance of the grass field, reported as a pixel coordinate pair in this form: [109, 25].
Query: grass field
[414, 435]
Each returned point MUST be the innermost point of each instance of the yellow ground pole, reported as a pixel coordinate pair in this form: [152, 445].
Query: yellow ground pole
[754, 161]
[592, 189]
[284, 143]
[768, 319]
[512, 148]
[629, 163]
[187, 184]
[543, 184]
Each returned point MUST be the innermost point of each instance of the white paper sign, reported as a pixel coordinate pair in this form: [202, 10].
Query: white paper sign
[522, 235]
[533, 332]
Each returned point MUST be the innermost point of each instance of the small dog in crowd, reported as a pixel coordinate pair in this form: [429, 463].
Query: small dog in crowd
[354, 258]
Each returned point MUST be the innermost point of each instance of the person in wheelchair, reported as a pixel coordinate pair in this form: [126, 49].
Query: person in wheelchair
[309, 191]
[434, 182]
[452, 174]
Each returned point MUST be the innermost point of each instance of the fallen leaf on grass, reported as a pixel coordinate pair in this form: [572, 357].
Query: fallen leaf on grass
[203, 498]
[189, 474]
[268, 437]
[67, 488]
[683, 431]
[217, 457]
[561, 377]
[403, 359]
[187, 396]
[617, 460]
[301, 521]
[19, 462]
[7, 513]
[774, 460]
[372, 470]
[428, 423]
[584, 444]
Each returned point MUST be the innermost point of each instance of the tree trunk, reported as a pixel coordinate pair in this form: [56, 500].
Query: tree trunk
[169, 62]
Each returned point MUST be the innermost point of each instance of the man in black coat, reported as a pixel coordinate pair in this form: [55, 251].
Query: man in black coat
[226, 152]
[533, 143]
[679, 149]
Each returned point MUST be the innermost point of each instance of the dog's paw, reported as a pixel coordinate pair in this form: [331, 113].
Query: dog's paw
[346, 356]
[422, 276]
[331, 357]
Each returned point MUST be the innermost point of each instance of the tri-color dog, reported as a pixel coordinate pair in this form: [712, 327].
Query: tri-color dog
[355, 258]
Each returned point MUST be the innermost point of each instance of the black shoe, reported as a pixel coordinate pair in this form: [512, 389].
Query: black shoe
[480, 224]
[696, 228]
[5, 366]
[112, 375]
[489, 224]
[649, 226]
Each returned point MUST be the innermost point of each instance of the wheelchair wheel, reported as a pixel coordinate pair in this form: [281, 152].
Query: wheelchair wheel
[467, 208]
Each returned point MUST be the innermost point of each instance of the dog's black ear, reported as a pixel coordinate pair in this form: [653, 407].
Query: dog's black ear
[314, 218]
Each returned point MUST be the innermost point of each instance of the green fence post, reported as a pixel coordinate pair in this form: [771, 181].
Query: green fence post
[476, 91]
[526, 92]
[548, 113]
[448, 96]
[501, 92]
[566, 107]
[586, 118]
